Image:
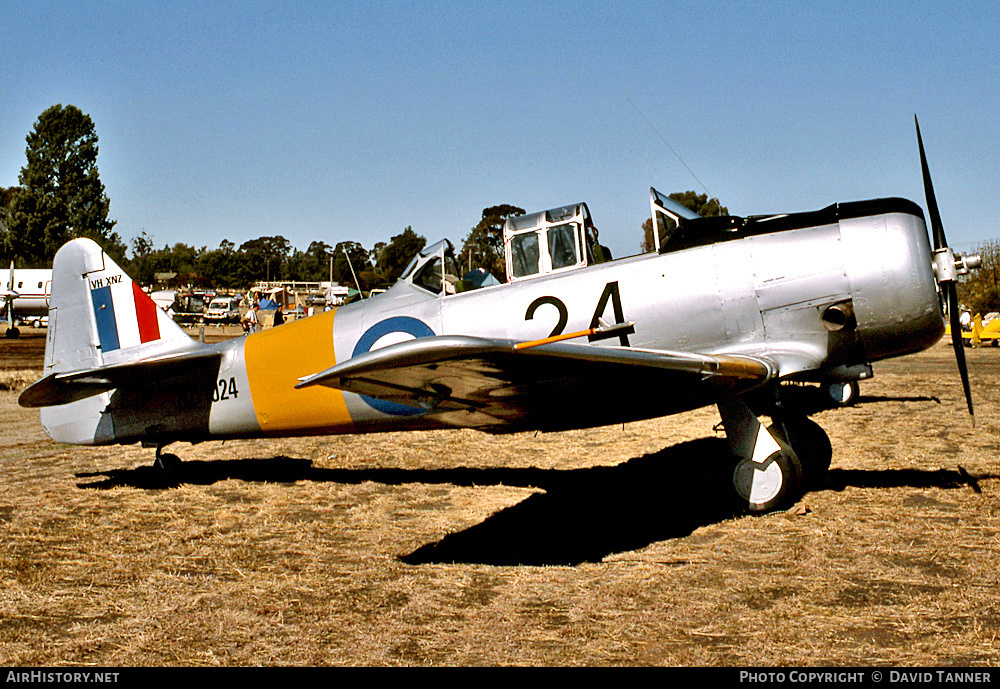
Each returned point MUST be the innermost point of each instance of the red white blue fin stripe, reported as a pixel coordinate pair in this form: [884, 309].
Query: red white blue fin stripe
[125, 315]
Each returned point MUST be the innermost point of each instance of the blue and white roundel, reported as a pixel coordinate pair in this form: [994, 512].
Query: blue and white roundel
[385, 333]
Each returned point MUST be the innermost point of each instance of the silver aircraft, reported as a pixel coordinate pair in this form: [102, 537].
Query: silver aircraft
[24, 295]
[725, 310]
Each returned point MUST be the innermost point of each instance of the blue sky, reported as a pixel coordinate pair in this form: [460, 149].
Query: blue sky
[336, 121]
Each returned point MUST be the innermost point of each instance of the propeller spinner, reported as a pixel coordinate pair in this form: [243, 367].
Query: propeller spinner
[948, 266]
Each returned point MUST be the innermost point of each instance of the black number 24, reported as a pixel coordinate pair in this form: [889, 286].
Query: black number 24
[610, 293]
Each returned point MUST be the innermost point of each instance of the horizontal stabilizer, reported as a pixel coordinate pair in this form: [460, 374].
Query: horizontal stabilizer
[71, 386]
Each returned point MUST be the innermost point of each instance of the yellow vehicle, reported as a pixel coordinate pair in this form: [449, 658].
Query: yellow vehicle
[980, 334]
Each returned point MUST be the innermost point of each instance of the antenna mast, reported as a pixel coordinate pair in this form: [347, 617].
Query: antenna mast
[710, 195]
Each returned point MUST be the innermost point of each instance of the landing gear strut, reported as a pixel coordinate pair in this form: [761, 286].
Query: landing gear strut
[772, 466]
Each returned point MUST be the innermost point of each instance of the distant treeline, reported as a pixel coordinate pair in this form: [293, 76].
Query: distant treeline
[272, 258]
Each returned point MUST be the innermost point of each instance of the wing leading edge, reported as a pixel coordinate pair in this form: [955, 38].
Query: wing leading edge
[480, 382]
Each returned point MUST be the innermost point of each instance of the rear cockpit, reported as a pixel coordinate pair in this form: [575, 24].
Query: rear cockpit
[552, 241]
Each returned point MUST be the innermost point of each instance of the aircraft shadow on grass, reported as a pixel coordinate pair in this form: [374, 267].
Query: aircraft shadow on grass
[582, 516]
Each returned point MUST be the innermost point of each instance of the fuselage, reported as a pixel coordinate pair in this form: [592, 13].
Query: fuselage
[771, 292]
[33, 287]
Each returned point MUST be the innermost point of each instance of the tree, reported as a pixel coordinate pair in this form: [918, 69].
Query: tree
[484, 245]
[263, 258]
[219, 267]
[141, 265]
[6, 199]
[393, 259]
[699, 203]
[342, 269]
[980, 290]
[61, 194]
[311, 265]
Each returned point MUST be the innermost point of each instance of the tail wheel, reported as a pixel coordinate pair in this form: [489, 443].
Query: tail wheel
[811, 445]
[768, 485]
[842, 394]
[167, 462]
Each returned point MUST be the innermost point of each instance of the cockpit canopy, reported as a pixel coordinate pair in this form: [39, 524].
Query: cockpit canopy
[551, 241]
[434, 268]
[667, 216]
[562, 239]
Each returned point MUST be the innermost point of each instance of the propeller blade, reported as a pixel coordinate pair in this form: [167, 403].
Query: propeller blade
[946, 278]
[956, 341]
[937, 229]
[11, 296]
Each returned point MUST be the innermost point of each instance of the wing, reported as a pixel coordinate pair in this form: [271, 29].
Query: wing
[471, 381]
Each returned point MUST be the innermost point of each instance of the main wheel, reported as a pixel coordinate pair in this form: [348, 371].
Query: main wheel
[811, 446]
[765, 486]
[12, 333]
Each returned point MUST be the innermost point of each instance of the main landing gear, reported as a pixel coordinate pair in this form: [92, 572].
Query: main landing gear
[772, 466]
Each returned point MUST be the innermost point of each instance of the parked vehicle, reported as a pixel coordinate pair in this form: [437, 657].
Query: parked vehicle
[223, 310]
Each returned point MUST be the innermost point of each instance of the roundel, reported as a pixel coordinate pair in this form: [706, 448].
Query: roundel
[385, 333]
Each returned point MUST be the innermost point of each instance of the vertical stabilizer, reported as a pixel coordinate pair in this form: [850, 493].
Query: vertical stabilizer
[98, 317]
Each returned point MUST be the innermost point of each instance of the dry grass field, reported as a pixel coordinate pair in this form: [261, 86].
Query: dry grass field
[602, 547]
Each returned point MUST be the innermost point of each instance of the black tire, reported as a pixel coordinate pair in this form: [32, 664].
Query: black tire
[167, 462]
[773, 484]
[811, 445]
[12, 333]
